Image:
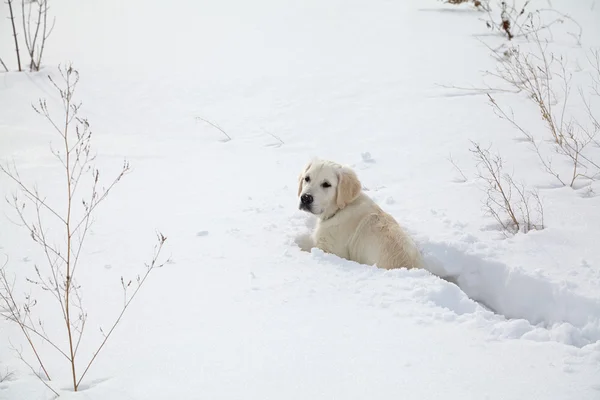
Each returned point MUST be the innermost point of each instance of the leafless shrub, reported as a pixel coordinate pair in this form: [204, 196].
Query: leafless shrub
[514, 207]
[14, 30]
[536, 73]
[518, 19]
[56, 281]
[476, 3]
[36, 30]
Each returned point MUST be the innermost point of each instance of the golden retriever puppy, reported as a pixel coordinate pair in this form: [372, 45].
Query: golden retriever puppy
[349, 223]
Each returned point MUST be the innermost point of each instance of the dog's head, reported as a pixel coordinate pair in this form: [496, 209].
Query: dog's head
[324, 187]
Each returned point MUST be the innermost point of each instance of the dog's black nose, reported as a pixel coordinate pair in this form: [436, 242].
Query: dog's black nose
[306, 199]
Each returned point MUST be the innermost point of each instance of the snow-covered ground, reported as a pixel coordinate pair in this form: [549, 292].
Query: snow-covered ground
[240, 311]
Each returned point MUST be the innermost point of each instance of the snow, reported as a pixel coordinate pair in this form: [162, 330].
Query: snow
[240, 311]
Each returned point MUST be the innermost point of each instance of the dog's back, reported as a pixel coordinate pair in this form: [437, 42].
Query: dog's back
[379, 239]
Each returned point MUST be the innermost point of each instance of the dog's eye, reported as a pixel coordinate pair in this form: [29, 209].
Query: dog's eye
[326, 184]
[307, 178]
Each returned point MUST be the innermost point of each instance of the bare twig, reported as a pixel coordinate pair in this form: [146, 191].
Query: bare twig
[561, 18]
[3, 65]
[518, 21]
[13, 313]
[14, 29]
[478, 90]
[6, 376]
[546, 163]
[22, 358]
[457, 168]
[492, 174]
[140, 281]
[36, 32]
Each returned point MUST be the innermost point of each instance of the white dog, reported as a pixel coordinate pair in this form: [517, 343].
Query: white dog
[350, 224]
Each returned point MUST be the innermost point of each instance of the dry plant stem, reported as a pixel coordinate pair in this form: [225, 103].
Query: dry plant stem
[6, 376]
[216, 127]
[517, 22]
[534, 74]
[13, 313]
[46, 34]
[20, 355]
[276, 138]
[492, 174]
[76, 159]
[36, 41]
[457, 168]
[14, 29]
[509, 18]
[506, 21]
[476, 3]
[140, 281]
[595, 122]
[14, 176]
[67, 102]
[523, 205]
[561, 17]
[13, 310]
[547, 164]
[3, 65]
[478, 90]
[594, 60]
[24, 361]
[523, 73]
[500, 188]
[281, 142]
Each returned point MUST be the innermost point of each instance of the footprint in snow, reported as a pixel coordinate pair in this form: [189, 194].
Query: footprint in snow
[366, 157]
[202, 233]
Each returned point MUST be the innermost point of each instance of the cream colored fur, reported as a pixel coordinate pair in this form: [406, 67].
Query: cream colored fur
[349, 223]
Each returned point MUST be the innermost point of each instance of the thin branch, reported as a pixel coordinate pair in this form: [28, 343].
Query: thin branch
[3, 65]
[6, 376]
[16, 178]
[14, 29]
[12, 306]
[547, 164]
[20, 355]
[457, 168]
[35, 40]
[161, 241]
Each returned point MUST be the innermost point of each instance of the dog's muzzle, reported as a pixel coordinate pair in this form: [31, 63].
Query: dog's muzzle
[306, 201]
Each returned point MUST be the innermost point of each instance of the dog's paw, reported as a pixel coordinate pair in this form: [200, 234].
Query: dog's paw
[305, 242]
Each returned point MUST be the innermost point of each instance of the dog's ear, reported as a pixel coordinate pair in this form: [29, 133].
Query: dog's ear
[301, 177]
[348, 187]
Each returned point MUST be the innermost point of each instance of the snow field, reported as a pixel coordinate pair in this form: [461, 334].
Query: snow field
[240, 312]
